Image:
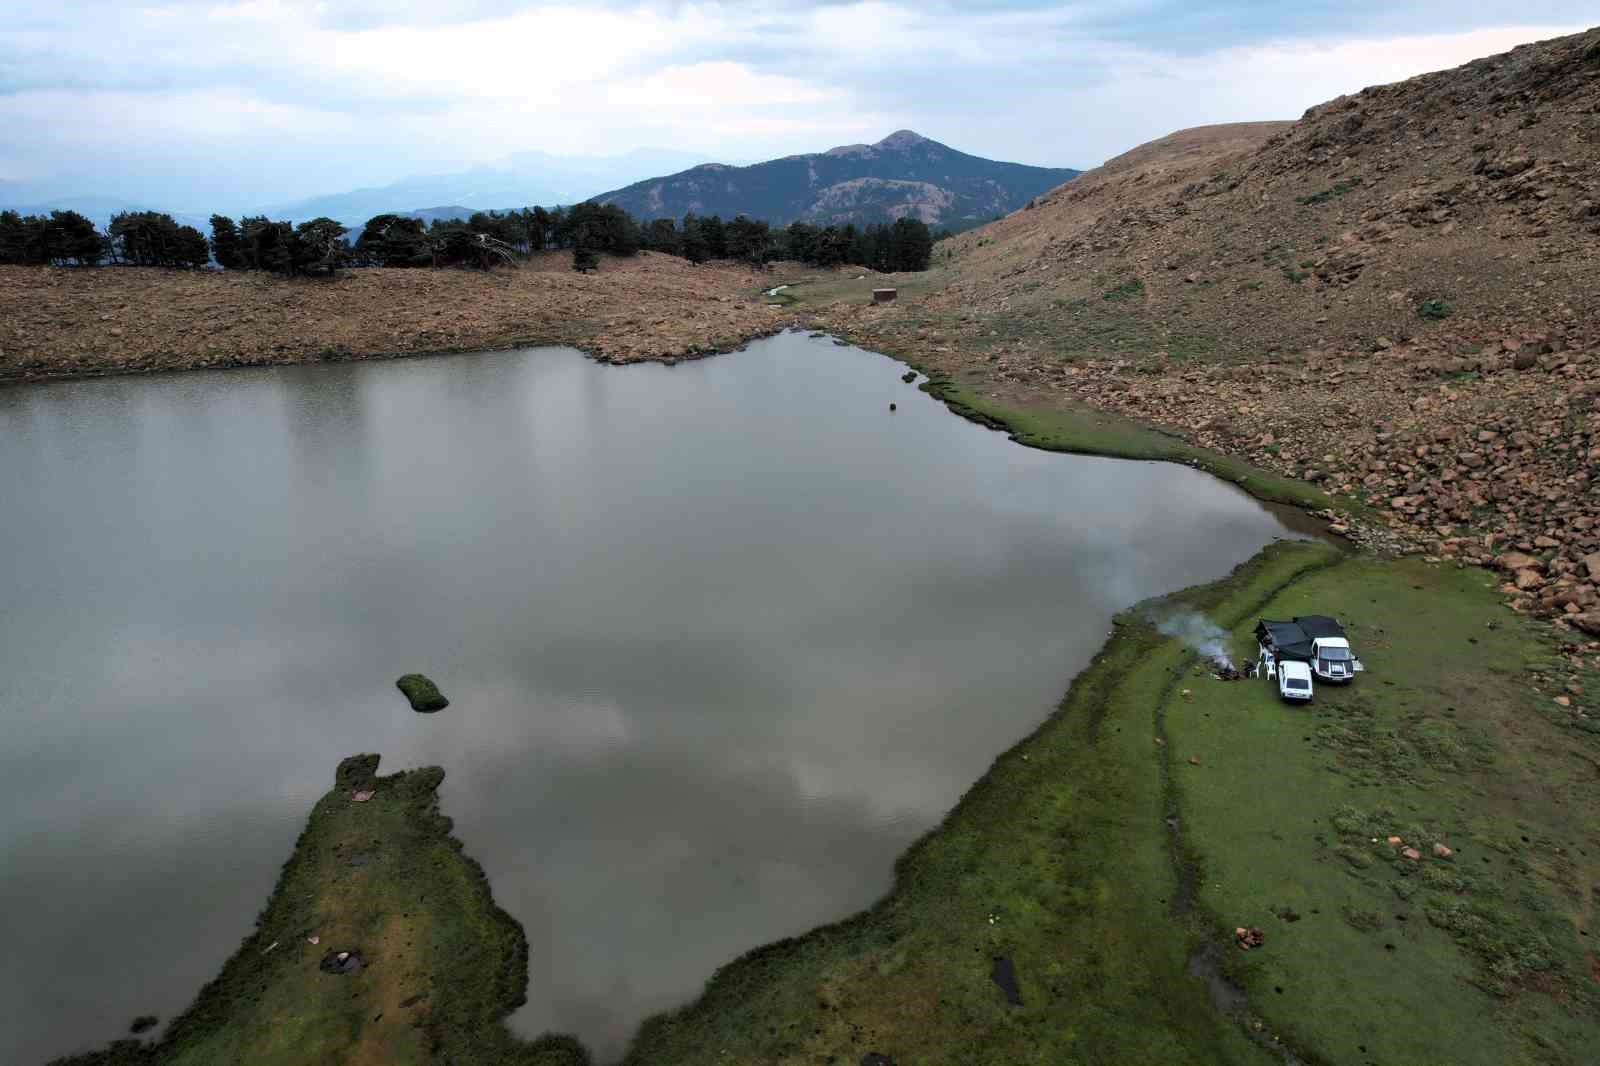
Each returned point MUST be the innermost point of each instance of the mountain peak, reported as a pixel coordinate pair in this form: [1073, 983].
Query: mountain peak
[905, 174]
[902, 139]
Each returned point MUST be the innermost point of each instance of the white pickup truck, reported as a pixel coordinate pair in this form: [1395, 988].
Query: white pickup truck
[1315, 643]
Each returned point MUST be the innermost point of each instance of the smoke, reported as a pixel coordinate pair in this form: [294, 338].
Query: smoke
[1200, 633]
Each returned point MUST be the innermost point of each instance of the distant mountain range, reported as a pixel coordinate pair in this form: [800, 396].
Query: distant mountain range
[903, 174]
[97, 209]
[520, 180]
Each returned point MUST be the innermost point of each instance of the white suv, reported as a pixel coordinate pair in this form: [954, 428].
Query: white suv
[1294, 681]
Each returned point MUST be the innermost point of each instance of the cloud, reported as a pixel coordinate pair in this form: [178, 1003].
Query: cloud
[266, 100]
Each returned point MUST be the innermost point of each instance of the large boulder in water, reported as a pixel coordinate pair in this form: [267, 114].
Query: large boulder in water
[423, 694]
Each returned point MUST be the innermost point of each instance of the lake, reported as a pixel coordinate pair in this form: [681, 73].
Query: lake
[721, 640]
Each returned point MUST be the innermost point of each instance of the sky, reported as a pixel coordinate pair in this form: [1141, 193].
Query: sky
[200, 106]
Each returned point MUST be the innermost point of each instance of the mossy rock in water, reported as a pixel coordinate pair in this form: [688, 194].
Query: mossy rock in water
[423, 694]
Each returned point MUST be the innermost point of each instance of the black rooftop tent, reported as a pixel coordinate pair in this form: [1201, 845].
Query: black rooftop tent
[1319, 626]
[1286, 639]
[1292, 640]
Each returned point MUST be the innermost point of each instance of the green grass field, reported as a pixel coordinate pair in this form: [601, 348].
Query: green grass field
[1473, 958]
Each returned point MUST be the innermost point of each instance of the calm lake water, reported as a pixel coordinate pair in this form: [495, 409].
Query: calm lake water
[721, 639]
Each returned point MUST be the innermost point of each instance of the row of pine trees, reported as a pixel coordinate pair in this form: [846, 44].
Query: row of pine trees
[487, 238]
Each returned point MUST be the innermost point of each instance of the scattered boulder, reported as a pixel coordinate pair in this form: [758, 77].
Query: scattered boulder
[1249, 938]
[1528, 579]
[1514, 561]
[1440, 851]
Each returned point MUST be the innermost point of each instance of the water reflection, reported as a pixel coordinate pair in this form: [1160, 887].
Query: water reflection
[721, 639]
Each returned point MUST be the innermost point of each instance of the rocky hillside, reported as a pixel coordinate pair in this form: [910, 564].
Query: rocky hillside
[903, 174]
[1396, 297]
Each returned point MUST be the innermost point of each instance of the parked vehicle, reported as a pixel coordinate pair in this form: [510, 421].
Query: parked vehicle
[1294, 681]
[1292, 676]
[1314, 639]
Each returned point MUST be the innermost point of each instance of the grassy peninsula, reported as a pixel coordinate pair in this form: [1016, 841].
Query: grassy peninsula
[438, 965]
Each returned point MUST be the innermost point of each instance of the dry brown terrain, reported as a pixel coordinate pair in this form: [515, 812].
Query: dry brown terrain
[1397, 297]
[67, 322]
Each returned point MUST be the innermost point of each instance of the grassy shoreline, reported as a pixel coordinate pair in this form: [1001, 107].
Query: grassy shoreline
[1110, 855]
[1087, 432]
[1065, 851]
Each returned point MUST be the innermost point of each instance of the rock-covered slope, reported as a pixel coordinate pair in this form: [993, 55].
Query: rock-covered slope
[69, 322]
[903, 174]
[1396, 297]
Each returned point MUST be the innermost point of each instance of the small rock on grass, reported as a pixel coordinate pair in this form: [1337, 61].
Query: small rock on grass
[424, 695]
[340, 963]
[1004, 974]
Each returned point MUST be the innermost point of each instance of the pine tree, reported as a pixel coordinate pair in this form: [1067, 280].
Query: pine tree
[68, 235]
[227, 248]
[910, 244]
[692, 239]
[662, 236]
[716, 237]
[191, 249]
[319, 245]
